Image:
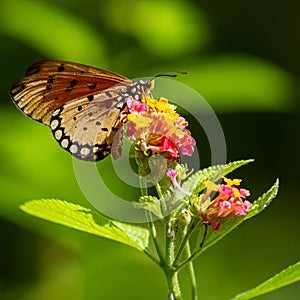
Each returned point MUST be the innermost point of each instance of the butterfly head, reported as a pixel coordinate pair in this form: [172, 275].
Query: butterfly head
[140, 88]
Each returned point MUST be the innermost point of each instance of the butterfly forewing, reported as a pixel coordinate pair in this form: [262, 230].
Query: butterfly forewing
[85, 107]
[50, 84]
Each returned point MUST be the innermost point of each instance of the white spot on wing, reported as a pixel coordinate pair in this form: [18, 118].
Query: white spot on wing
[73, 149]
[56, 112]
[64, 143]
[54, 124]
[85, 151]
[58, 134]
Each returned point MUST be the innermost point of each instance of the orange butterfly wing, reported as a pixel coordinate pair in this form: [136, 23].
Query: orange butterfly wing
[50, 84]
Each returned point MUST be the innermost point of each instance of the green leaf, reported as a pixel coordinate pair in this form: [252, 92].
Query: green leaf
[232, 222]
[87, 220]
[195, 183]
[285, 277]
[150, 203]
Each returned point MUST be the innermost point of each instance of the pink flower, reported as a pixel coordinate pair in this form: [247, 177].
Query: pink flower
[215, 225]
[171, 149]
[228, 201]
[225, 190]
[161, 144]
[173, 174]
[244, 193]
[136, 107]
[187, 150]
[185, 142]
[240, 207]
[181, 122]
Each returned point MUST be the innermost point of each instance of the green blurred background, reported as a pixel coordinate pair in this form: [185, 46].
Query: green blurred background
[242, 56]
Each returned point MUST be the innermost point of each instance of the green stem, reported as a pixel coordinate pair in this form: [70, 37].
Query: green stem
[160, 196]
[196, 253]
[170, 246]
[184, 242]
[152, 230]
[158, 189]
[192, 274]
[143, 187]
[170, 272]
[188, 260]
[173, 284]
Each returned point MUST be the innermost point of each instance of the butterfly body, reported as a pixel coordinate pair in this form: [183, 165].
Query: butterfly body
[84, 107]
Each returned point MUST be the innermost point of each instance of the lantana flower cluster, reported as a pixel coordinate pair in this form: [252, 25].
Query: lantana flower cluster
[155, 126]
[229, 200]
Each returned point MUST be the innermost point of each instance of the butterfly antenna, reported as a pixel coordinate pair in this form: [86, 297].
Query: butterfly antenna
[169, 74]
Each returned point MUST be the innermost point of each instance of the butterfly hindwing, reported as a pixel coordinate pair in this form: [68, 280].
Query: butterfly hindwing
[87, 128]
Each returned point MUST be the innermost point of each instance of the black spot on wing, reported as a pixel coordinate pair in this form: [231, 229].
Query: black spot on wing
[108, 94]
[72, 84]
[92, 85]
[61, 68]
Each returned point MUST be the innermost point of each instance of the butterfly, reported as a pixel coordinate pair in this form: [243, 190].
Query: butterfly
[85, 107]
